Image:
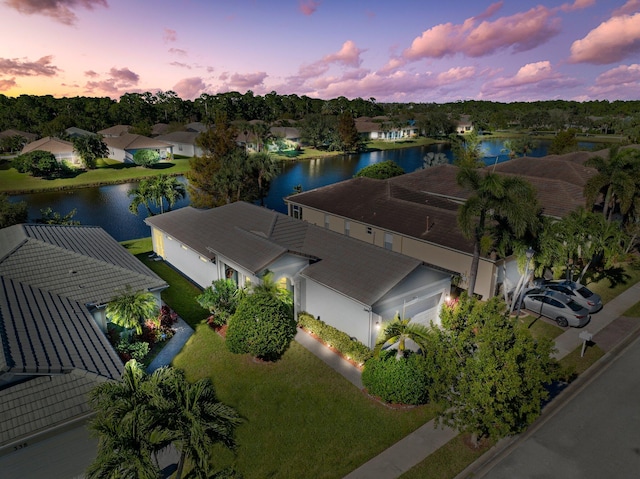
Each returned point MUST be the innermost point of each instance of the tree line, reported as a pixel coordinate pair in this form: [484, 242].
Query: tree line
[49, 116]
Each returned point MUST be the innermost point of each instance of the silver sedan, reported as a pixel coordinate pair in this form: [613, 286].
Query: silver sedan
[557, 306]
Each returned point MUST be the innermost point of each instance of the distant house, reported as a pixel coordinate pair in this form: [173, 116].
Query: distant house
[61, 149]
[24, 134]
[74, 132]
[464, 125]
[55, 282]
[159, 129]
[115, 131]
[288, 135]
[416, 213]
[196, 126]
[383, 129]
[124, 146]
[347, 283]
[183, 142]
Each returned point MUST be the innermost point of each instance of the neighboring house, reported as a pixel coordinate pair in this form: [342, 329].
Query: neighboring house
[24, 134]
[159, 129]
[416, 214]
[196, 127]
[382, 128]
[55, 282]
[464, 125]
[114, 131]
[183, 142]
[74, 132]
[347, 283]
[61, 149]
[288, 135]
[123, 147]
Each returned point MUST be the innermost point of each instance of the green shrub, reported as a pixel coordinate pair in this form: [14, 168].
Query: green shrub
[221, 299]
[399, 381]
[146, 158]
[137, 350]
[339, 340]
[262, 326]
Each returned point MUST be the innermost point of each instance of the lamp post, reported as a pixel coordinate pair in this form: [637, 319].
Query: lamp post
[529, 254]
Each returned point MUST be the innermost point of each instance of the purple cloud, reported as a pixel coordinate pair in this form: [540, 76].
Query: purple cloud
[308, 7]
[59, 10]
[189, 88]
[7, 84]
[41, 67]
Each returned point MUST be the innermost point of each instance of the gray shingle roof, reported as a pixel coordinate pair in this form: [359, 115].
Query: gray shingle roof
[253, 237]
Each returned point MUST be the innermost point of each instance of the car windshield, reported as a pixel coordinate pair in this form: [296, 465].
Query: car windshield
[574, 306]
[586, 293]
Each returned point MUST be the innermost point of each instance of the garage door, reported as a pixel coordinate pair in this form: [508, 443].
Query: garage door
[423, 310]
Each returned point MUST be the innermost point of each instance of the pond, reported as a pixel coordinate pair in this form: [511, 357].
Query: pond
[108, 206]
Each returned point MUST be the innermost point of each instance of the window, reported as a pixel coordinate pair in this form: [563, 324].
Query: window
[388, 241]
[347, 228]
[296, 211]
[369, 230]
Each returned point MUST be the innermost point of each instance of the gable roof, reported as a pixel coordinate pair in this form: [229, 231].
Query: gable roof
[130, 141]
[115, 130]
[186, 137]
[254, 237]
[13, 132]
[49, 143]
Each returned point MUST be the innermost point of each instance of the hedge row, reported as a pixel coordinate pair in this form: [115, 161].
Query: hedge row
[339, 340]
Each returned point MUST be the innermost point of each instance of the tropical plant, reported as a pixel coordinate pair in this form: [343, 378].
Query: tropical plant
[12, 213]
[50, 217]
[617, 182]
[265, 169]
[221, 299]
[156, 191]
[37, 163]
[398, 331]
[466, 150]
[129, 309]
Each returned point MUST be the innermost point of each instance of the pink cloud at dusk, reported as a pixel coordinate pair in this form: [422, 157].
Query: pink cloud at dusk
[169, 35]
[41, 67]
[190, 87]
[614, 40]
[7, 84]
[60, 10]
[348, 55]
[308, 7]
[522, 31]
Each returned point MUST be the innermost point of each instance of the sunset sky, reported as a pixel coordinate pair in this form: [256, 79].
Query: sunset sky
[401, 50]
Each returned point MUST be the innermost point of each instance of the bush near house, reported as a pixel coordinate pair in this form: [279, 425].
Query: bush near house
[403, 380]
[349, 348]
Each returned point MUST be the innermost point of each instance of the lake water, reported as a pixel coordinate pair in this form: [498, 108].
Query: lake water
[108, 206]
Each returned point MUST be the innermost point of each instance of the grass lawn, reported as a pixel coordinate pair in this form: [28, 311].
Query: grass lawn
[107, 172]
[302, 419]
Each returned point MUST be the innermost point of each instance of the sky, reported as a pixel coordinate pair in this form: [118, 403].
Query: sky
[425, 51]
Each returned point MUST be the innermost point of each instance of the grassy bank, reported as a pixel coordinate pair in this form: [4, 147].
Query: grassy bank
[108, 172]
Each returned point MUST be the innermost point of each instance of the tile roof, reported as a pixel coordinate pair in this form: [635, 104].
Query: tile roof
[48, 143]
[115, 130]
[49, 274]
[253, 237]
[187, 137]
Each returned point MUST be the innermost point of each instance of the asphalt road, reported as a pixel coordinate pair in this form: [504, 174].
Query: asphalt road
[593, 434]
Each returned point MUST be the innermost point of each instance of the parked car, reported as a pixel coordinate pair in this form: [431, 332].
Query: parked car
[579, 293]
[557, 306]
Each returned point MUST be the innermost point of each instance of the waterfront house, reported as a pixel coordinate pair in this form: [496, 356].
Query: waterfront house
[63, 150]
[124, 146]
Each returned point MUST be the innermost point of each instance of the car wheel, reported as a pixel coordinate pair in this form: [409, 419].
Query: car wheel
[562, 322]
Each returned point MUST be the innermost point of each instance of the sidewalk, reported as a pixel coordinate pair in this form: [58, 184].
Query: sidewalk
[173, 347]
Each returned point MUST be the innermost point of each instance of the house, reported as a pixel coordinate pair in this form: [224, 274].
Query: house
[416, 213]
[63, 150]
[55, 282]
[12, 132]
[123, 147]
[159, 129]
[196, 127]
[183, 142]
[464, 125]
[289, 136]
[114, 131]
[349, 284]
[382, 128]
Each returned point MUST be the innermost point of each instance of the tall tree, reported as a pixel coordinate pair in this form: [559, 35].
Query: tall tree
[348, 133]
[490, 375]
[466, 150]
[12, 213]
[497, 205]
[265, 169]
[90, 148]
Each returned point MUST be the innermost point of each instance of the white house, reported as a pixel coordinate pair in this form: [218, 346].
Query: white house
[183, 142]
[61, 149]
[349, 284]
[123, 147]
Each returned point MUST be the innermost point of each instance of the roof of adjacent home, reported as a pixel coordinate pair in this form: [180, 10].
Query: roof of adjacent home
[50, 144]
[404, 203]
[254, 237]
[13, 132]
[186, 137]
[130, 141]
[50, 278]
[115, 130]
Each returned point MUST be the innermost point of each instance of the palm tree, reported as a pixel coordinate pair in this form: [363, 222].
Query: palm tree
[143, 194]
[398, 331]
[130, 308]
[170, 189]
[618, 180]
[265, 168]
[499, 206]
[195, 419]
